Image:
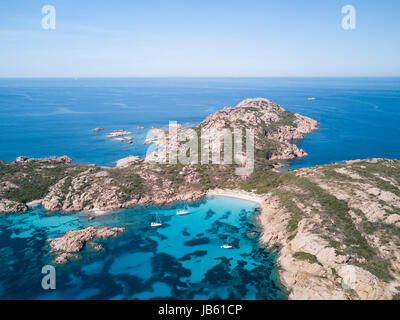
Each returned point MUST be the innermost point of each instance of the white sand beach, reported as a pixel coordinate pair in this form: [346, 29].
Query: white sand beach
[34, 203]
[236, 193]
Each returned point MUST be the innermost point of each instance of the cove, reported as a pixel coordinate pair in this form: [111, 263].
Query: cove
[181, 260]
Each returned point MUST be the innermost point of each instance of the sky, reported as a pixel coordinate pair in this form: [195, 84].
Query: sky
[199, 38]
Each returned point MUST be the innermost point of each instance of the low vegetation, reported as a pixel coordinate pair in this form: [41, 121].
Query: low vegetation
[306, 257]
[295, 188]
[32, 180]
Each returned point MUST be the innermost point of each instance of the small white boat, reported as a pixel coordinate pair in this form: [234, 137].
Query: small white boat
[156, 223]
[226, 246]
[184, 211]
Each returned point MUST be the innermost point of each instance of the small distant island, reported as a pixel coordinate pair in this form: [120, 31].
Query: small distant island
[337, 226]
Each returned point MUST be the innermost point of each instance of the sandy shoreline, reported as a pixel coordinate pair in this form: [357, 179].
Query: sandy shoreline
[236, 193]
[34, 203]
[98, 212]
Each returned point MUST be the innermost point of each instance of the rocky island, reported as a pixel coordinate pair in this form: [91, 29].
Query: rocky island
[68, 245]
[336, 226]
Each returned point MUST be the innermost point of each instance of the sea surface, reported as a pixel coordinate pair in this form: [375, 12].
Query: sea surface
[359, 118]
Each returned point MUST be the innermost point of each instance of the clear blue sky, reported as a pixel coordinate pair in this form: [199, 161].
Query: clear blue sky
[262, 38]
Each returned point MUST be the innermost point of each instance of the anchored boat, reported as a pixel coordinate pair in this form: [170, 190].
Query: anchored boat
[156, 223]
[184, 211]
[227, 245]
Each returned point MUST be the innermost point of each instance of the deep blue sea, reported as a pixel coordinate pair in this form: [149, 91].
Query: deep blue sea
[42, 117]
[359, 118]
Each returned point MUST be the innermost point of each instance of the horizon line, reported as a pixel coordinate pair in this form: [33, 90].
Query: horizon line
[190, 77]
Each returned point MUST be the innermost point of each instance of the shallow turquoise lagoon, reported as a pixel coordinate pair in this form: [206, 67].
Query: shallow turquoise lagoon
[183, 259]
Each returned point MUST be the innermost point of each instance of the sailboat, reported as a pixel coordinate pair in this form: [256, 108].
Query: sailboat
[156, 223]
[226, 245]
[184, 211]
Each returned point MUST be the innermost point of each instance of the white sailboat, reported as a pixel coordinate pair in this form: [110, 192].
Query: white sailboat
[156, 223]
[184, 211]
[226, 245]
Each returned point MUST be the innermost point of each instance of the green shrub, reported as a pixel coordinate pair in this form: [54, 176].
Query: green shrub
[306, 257]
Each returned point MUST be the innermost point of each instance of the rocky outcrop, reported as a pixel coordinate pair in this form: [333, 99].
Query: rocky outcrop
[89, 190]
[62, 159]
[7, 186]
[68, 245]
[131, 183]
[287, 151]
[264, 116]
[53, 201]
[274, 128]
[338, 230]
[118, 133]
[12, 206]
[126, 162]
[21, 159]
[124, 139]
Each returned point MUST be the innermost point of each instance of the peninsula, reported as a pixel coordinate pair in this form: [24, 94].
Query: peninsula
[67, 187]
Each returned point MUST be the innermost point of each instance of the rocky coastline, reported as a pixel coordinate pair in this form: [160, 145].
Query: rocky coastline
[339, 234]
[337, 226]
[136, 181]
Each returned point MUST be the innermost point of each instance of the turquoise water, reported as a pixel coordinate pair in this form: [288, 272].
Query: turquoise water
[182, 260]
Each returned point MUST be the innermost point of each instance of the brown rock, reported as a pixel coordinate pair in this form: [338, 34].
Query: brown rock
[73, 241]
